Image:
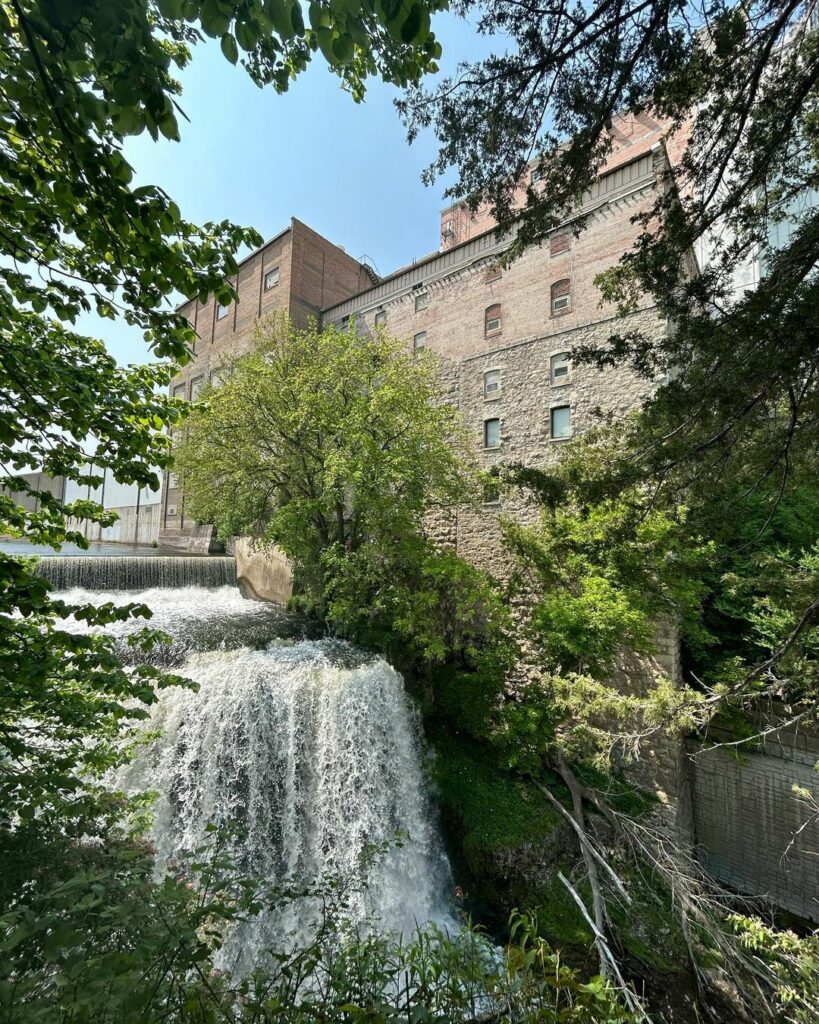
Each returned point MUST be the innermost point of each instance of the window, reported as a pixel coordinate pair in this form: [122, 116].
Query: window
[492, 384]
[561, 422]
[421, 301]
[536, 176]
[419, 341]
[492, 319]
[180, 390]
[196, 387]
[221, 311]
[271, 279]
[380, 317]
[561, 296]
[560, 368]
[491, 491]
[343, 323]
[559, 243]
[491, 433]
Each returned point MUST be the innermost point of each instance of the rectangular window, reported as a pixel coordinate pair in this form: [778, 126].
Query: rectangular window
[221, 311]
[421, 301]
[380, 318]
[561, 421]
[558, 244]
[180, 390]
[196, 387]
[173, 482]
[419, 341]
[492, 383]
[344, 323]
[536, 176]
[271, 279]
[560, 368]
[491, 433]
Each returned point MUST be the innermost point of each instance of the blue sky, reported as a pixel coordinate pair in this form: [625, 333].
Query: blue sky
[257, 158]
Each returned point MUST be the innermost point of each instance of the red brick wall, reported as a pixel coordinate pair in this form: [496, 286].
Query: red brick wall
[454, 317]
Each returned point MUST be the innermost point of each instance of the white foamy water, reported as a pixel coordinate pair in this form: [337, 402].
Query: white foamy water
[310, 748]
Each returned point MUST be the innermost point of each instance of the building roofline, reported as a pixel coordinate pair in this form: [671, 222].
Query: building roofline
[245, 259]
[476, 239]
[275, 238]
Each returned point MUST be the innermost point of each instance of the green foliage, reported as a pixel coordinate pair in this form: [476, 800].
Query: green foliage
[335, 446]
[109, 945]
[493, 811]
[603, 566]
[793, 962]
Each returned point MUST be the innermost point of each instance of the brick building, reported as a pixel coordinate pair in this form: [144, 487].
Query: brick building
[503, 335]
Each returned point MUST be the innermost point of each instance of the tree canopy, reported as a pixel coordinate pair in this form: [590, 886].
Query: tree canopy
[336, 446]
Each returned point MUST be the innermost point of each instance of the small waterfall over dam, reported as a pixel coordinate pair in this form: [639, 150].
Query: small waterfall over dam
[310, 747]
[124, 572]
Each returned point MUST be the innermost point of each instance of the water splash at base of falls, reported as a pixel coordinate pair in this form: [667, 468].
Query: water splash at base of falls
[315, 760]
[311, 748]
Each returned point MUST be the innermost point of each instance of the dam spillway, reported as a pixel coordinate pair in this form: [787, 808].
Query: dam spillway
[128, 572]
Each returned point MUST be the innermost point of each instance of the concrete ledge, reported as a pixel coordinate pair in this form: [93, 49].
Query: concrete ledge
[262, 571]
[196, 540]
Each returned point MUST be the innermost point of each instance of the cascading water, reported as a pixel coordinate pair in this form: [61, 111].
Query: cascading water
[309, 746]
[137, 573]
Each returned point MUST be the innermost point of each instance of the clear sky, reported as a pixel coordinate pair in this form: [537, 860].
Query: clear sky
[258, 159]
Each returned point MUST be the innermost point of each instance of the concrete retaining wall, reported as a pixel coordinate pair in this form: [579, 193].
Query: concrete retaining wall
[263, 573]
[753, 832]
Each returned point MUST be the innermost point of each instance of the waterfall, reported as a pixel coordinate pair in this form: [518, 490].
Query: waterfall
[97, 573]
[311, 747]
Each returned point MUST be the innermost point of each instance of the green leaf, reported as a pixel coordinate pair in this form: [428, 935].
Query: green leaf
[229, 48]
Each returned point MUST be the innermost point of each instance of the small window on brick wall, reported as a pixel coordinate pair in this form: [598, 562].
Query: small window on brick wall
[180, 390]
[271, 279]
[380, 317]
[560, 422]
[491, 433]
[561, 296]
[421, 301]
[492, 384]
[560, 368]
[419, 341]
[221, 311]
[536, 176]
[197, 384]
[492, 319]
[559, 243]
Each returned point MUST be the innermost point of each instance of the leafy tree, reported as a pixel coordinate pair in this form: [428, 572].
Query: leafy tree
[335, 446]
[605, 562]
